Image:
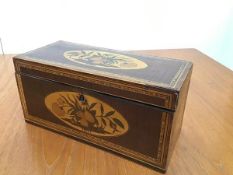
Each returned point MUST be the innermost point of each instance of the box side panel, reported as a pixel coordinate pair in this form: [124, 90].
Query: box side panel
[116, 124]
[178, 116]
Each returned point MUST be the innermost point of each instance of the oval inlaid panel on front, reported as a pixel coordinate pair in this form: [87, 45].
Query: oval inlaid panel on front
[86, 113]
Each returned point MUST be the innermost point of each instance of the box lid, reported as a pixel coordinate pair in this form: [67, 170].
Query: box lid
[152, 80]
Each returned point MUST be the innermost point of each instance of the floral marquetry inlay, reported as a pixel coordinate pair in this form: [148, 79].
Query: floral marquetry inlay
[104, 59]
[86, 113]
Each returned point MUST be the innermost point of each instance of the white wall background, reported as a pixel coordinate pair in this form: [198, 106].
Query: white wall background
[122, 24]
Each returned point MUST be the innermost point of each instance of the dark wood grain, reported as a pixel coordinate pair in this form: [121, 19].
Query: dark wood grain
[205, 145]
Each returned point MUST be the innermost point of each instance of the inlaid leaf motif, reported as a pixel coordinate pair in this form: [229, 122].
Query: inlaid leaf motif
[104, 122]
[109, 113]
[118, 122]
[92, 105]
[90, 115]
[101, 109]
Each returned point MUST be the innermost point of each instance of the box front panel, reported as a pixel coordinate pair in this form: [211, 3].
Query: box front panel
[130, 128]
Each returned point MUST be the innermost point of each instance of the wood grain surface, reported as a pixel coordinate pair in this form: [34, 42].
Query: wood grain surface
[205, 146]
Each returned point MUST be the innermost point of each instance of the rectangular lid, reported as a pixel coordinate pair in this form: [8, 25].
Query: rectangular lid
[153, 80]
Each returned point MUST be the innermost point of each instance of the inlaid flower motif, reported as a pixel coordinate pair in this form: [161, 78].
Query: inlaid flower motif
[58, 109]
[86, 118]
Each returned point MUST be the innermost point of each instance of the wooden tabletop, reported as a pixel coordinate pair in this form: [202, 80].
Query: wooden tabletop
[205, 146]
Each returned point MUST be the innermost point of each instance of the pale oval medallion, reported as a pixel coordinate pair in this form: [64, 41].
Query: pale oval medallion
[86, 113]
[104, 59]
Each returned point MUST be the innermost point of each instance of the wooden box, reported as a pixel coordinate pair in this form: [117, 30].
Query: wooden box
[129, 104]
